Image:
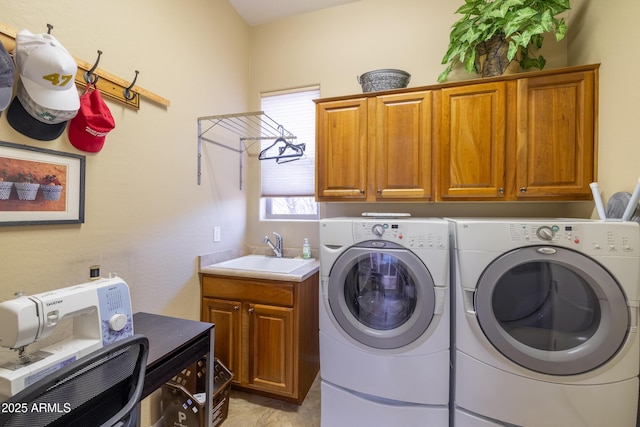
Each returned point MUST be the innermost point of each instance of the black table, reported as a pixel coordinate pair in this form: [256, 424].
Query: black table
[174, 344]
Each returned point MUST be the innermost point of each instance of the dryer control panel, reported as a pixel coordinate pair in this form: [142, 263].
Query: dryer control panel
[546, 233]
[407, 234]
[587, 237]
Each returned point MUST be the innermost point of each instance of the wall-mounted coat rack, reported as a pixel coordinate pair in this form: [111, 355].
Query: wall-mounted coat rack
[250, 128]
[111, 86]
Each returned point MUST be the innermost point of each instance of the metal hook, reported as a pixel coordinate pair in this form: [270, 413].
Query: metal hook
[49, 28]
[89, 77]
[129, 95]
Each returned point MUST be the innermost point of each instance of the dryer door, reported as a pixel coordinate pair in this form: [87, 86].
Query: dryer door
[381, 294]
[552, 310]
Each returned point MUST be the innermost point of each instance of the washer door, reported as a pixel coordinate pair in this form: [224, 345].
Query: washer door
[381, 294]
[552, 310]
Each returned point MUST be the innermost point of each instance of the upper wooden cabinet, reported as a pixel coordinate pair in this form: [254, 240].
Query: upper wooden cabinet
[403, 146]
[526, 136]
[376, 148]
[341, 149]
[473, 141]
[555, 141]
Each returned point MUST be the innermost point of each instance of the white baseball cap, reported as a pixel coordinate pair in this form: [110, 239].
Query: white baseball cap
[47, 70]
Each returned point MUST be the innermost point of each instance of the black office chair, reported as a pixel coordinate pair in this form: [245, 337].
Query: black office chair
[100, 389]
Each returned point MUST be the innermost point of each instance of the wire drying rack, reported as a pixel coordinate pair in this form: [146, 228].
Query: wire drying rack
[249, 128]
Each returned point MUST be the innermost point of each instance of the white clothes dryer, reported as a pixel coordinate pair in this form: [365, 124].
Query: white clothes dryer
[546, 322]
[384, 322]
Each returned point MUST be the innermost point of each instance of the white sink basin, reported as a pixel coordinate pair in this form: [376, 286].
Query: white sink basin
[264, 263]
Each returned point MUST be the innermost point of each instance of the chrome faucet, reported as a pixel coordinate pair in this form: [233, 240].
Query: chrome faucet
[277, 248]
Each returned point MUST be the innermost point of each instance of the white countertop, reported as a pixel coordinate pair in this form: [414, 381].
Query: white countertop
[298, 275]
[208, 261]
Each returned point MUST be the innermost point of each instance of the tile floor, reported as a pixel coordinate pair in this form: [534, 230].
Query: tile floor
[250, 410]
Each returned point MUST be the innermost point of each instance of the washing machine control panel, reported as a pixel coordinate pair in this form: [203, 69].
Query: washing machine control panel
[410, 235]
[378, 229]
[546, 233]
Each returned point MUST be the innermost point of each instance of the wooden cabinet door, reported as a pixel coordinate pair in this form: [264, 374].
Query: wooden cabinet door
[226, 315]
[261, 336]
[555, 136]
[471, 154]
[271, 348]
[403, 146]
[341, 150]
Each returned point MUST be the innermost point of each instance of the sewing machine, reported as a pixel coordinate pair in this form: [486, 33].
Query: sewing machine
[100, 312]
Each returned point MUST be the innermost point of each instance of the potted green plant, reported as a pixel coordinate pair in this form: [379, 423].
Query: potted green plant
[503, 30]
[27, 185]
[5, 185]
[51, 188]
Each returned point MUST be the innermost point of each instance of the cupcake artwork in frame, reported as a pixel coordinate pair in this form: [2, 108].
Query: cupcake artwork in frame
[40, 186]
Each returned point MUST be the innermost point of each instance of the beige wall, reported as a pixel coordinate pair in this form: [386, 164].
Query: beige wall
[333, 46]
[146, 218]
[605, 34]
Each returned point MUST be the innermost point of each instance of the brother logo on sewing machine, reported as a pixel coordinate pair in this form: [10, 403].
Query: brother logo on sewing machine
[49, 304]
[101, 314]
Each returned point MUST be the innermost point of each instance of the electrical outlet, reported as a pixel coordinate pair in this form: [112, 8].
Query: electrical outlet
[216, 234]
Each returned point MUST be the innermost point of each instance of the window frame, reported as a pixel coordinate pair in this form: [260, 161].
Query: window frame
[266, 202]
[270, 216]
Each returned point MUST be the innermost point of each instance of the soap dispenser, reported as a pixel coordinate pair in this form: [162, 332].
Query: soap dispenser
[306, 249]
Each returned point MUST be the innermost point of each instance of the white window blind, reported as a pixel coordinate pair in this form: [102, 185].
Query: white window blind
[296, 112]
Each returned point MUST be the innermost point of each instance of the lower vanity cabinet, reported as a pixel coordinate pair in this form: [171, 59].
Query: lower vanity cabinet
[266, 332]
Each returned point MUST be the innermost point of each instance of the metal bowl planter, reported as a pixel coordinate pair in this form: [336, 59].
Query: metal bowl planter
[386, 79]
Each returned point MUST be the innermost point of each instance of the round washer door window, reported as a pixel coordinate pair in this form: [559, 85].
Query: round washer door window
[383, 297]
[552, 310]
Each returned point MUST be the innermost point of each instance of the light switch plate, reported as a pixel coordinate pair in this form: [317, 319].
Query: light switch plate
[216, 234]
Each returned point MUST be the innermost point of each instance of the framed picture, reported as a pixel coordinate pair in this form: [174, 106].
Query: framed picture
[40, 186]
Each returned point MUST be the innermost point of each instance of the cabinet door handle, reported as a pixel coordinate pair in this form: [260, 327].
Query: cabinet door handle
[379, 192]
[236, 307]
[523, 189]
[250, 311]
[361, 191]
[501, 190]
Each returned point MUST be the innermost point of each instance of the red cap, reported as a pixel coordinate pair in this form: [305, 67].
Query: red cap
[89, 128]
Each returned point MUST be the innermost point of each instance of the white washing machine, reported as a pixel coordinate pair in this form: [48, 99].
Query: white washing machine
[546, 322]
[384, 322]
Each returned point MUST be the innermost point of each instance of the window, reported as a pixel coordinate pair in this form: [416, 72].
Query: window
[288, 188]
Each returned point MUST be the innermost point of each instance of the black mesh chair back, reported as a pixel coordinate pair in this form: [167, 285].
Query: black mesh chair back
[100, 389]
